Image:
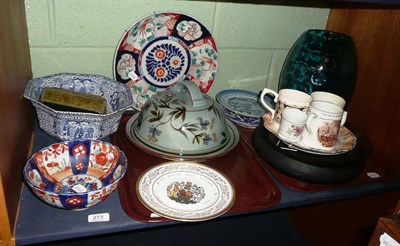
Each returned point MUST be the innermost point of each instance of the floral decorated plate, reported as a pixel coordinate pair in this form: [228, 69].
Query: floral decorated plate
[345, 143]
[185, 191]
[233, 141]
[161, 49]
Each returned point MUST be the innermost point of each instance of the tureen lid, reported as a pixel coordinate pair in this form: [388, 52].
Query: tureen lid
[186, 93]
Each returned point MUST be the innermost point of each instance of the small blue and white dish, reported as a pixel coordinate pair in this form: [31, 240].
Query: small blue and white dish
[68, 125]
[241, 107]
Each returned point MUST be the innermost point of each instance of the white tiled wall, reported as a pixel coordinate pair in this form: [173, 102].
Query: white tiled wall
[81, 35]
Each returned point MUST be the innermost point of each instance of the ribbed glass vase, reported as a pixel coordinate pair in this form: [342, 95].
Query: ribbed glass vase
[321, 60]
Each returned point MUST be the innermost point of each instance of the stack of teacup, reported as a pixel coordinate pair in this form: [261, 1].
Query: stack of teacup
[312, 119]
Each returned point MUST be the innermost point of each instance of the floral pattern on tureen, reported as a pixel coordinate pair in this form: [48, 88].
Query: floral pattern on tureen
[196, 132]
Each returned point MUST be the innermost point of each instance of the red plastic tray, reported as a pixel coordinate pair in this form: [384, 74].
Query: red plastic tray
[255, 189]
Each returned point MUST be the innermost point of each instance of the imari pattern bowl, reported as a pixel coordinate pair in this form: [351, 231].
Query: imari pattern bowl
[66, 125]
[75, 175]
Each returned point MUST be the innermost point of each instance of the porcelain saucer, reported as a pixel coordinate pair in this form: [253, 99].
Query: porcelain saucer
[345, 143]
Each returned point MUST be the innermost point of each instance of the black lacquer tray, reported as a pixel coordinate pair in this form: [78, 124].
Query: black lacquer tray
[320, 169]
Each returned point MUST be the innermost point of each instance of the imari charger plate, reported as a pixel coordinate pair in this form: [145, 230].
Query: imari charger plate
[162, 49]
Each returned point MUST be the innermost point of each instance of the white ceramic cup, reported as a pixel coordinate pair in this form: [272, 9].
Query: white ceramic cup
[323, 124]
[285, 98]
[328, 97]
[292, 124]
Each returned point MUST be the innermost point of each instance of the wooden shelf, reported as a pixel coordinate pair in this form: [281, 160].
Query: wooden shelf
[16, 122]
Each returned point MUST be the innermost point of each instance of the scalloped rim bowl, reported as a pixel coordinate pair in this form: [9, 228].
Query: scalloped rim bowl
[75, 175]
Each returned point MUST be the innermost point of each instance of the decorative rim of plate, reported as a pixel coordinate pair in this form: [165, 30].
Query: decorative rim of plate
[146, 50]
[346, 141]
[232, 143]
[185, 191]
[223, 96]
[244, 124]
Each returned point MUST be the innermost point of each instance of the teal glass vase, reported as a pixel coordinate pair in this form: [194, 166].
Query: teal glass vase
[321, 60]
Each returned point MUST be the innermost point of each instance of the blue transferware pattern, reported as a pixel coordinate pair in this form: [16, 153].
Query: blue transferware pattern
[241, 107]
[75, 174]
[162, 49]
[321, 60]
[76, 125]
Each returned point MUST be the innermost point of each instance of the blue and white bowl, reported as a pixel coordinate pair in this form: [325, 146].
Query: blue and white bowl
[241, 107]
[66, 125]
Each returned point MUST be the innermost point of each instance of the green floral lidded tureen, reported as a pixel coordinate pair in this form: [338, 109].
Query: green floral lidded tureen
[182, 120]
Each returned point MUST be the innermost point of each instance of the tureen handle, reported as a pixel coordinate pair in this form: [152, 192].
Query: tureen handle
[195, 92]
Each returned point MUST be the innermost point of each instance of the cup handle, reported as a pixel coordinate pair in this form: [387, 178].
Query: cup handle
[310, 118]
[263, 93]
[344, 117]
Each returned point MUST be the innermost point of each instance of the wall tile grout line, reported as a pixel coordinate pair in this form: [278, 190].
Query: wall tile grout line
[52, 21]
